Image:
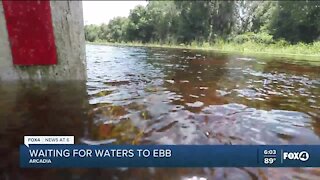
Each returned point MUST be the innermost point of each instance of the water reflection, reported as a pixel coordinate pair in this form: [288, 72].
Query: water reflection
[190, 97]
[168, 96]
[38, 109]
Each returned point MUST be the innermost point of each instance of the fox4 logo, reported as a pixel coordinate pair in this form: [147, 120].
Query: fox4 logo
[302, 156]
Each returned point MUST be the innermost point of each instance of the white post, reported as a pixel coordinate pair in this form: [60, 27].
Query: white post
[67, 19]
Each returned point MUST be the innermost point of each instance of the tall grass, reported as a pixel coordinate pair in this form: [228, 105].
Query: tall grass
[276, 48]
[248, 47]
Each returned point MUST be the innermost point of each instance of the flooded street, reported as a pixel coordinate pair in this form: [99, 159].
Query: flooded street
[137, 95]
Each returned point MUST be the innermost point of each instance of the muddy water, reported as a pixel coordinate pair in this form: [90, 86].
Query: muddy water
[167, 96]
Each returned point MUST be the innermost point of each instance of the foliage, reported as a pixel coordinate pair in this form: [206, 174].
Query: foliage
[298, 21]
[115, 31]
[91, 32]
[262, 38]
[208, 22]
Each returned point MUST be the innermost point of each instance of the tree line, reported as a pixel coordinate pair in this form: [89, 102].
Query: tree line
[176, 22]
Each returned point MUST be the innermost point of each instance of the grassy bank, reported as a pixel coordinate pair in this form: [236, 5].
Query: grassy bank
[309, 52]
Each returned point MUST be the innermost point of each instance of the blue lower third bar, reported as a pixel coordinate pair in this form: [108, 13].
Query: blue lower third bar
[63, 156]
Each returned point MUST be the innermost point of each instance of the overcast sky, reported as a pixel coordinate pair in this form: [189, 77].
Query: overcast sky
[97, 12]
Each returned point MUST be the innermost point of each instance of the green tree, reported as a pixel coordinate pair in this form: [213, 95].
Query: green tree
[222, 18]
[103, 32]
[139, 27]
[162, 16]
[296, 21]
[194, 20]
[253, 16]
[116, 29]
[207, 21]
[91, 32]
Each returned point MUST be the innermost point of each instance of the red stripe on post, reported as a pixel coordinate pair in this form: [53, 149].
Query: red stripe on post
[30, 32]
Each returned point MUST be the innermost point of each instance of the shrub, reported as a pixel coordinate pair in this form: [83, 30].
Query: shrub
[316, 44]
[282, 42]
[262, 38]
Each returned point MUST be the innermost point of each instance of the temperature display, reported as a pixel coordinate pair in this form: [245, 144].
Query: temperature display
[269, 156]
[267, 160]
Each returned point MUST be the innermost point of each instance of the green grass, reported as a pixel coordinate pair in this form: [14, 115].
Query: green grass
[301, 51]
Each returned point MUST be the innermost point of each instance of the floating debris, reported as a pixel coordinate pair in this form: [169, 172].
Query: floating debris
[222, 93]
[170, 81]
[104, 93]
[151, 89]
[184, 81]
[116, 83]
[92, 142]
[194, 96]
[203, 88]
[191, 58]
[245, 59]
[207, 134]
[195, 104]
[145, 115]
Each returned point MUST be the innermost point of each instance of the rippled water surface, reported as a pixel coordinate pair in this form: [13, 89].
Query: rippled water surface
[167, 96]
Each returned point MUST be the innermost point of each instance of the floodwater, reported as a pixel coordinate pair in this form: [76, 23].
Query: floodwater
[137, 95]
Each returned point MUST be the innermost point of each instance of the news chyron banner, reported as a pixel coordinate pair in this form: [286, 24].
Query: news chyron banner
[61, 152]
